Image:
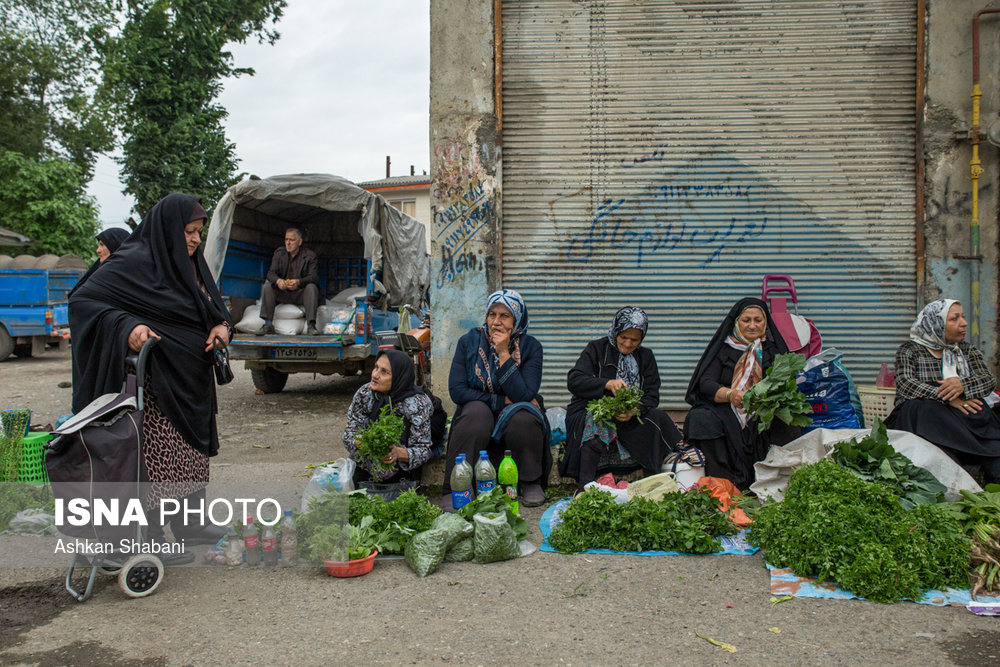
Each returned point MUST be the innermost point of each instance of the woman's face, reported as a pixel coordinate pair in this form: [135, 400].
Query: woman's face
[192, 235]
[382, 375]
[628, 340]
[752, 323]
[498, 318]
[955, 324]
[102, 251]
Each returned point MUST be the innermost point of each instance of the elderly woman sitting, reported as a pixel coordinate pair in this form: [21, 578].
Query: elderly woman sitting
[941, 386]
[494, 380]
[740, 352]
[639, 439]
[393, 385]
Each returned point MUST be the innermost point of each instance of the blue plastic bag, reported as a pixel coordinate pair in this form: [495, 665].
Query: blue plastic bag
[829, 389]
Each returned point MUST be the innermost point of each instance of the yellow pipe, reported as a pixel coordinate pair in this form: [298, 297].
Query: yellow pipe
[975, 171]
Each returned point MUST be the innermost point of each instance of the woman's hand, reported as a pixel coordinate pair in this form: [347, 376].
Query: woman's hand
[500, 340]
[397, 453]
[736, 398]
[968, 406]
[614, 385]
[140, 334]
[625, 416]
[950, 389]
[220, 330]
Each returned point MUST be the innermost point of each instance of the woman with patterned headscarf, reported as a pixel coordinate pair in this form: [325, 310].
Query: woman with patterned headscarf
[740, 352]
[494, 380]
[639, 439]
[942, 384]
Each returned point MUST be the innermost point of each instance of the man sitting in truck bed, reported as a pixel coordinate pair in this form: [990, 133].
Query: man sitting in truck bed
[293, 278]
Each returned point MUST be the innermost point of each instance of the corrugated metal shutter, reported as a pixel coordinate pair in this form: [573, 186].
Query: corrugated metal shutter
[669, 154]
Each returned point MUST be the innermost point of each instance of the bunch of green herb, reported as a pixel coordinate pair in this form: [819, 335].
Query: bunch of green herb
[838, 528]
[16, 496]
[377, 439]
[873, 459]
[688, 522]
[979, 515]
[399, 519]
[603, 410]
[777, 394]
[12, 427]
[495, 501]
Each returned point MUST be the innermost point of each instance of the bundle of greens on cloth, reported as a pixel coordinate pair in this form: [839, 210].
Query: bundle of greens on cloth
[979, 515]
[778, 395]
[836, 527]
[603, 410]
[377, 439]
[873, 459]
[684, 521]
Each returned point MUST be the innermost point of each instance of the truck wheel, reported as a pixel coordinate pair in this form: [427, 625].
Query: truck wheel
[6, 343]
[23, 350]
[269, 380]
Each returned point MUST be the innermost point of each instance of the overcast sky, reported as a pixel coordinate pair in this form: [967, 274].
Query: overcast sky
[345, 86]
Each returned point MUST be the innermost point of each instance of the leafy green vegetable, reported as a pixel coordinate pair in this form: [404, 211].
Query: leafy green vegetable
[873, 459]
[377, 439]
[495, 501]
[837, 527]
[399, 519]
[603, 410]
[976, 507]
[777, 394]
[688, 522]
[17, 496]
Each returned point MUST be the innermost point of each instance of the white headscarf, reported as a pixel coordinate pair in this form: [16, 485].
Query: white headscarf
[928, 330]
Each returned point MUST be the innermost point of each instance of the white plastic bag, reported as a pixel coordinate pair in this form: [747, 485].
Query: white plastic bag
[557, 425]
[337, 476]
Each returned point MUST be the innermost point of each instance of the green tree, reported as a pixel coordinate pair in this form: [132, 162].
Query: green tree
[50, 71]
[45, 200]
[163, 75]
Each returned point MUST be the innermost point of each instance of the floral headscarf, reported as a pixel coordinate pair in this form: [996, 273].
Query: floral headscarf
[486, 367]
[928, 330]
[629, 317]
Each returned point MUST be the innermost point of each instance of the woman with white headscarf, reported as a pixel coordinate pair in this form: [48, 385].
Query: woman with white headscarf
[638, 439]
[942, 384]
[494, 381]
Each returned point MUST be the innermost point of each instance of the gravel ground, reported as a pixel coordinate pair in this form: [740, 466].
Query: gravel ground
[542, 609]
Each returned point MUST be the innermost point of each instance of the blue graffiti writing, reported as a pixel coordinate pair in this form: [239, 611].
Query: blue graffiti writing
[469, 199]
[455, 263]
[685, 191]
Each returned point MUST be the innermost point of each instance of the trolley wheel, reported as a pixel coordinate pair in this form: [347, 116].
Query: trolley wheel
[140, 576]
[109, 570]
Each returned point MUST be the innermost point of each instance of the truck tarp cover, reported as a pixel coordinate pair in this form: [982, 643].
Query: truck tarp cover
[394, 241]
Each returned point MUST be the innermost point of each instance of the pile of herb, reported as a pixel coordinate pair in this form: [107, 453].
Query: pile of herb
[398, 519]
[495, 501]
[12, 427]
[18, 496]
[688, 522]
[873, 459]
[838, 528]
[604, 410]
[377, 439]
[979, 515]
[777, 394]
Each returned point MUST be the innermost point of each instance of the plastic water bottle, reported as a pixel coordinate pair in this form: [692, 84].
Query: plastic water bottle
[507, 476]
[234, 547]
[461, 483]
[269, 547]
[251, 543]
[289, 541]
[486, 476]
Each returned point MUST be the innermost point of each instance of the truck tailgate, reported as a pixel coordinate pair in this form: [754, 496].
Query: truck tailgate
[292, 348]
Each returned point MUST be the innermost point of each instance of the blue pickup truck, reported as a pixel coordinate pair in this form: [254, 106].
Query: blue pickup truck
[372, 261]
[34, 311]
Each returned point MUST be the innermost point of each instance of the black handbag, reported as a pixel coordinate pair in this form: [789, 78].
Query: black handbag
[223, 373]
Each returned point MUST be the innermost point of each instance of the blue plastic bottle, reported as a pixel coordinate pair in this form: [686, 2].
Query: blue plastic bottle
[486, 474]
[461, 483]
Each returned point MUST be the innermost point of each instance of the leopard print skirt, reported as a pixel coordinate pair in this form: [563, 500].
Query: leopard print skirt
[174, 468]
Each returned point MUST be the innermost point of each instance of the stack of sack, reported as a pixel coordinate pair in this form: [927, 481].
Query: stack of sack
[289, 319]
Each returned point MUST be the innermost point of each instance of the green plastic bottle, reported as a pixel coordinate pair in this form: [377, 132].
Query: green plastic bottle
[507, 478]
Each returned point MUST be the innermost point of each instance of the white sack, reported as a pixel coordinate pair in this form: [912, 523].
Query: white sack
[290, 327]
[288, 311]
[774, 471]
[251, 321]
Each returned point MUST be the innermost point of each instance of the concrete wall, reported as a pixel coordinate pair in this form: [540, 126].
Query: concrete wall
[947, 116]
[465, 172]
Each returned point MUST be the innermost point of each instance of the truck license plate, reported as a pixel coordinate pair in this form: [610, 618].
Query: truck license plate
[293, 353]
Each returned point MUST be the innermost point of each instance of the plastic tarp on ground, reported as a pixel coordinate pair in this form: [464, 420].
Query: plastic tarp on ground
[393, 241]
[777, 467]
